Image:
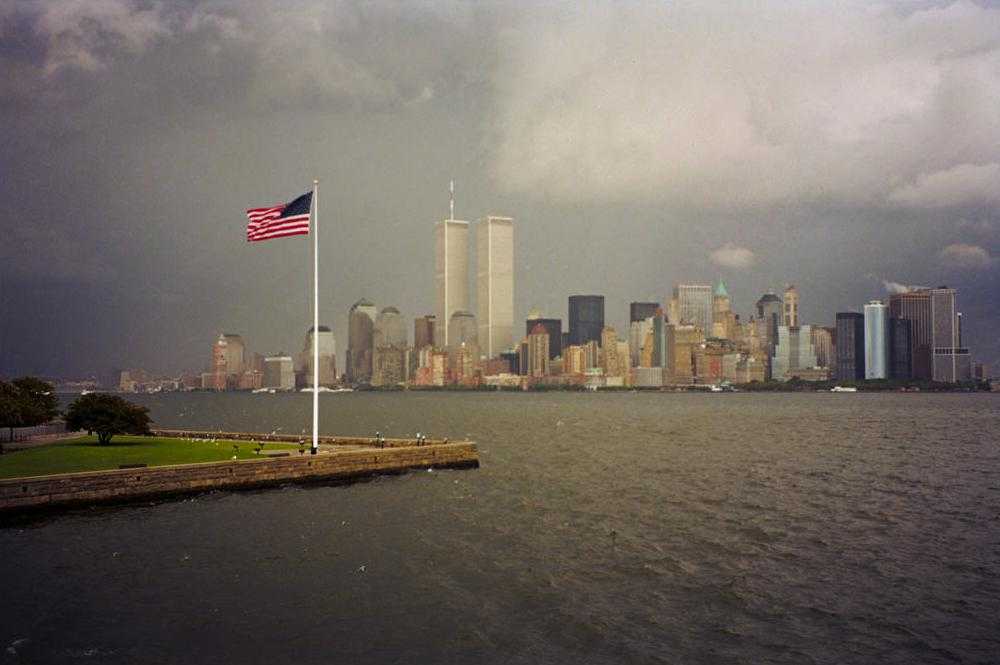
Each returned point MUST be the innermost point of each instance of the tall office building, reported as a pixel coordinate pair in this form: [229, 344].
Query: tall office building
[235, 354]
[327, 357]
[640, 311]
[951, 361]
[770, 310]
[723, 319]
[360, 341]
[552, 326]
[279, 372]
[389, 353]
[537, 360]
[637, 331]
[876, 340]
[900, 349]
[451, 275]
[822, 341]
[423, 331]
[791, 307]
[794, 351]
[694, 305]
[586, 319]
[850, 345]
[389, 329]
[495, 284]
[915, 306]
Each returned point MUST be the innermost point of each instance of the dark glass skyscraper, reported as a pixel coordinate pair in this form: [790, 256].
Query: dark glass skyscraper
[850, 346]
[640, 311]
[915, 307]
[586, 319]
[900, 349]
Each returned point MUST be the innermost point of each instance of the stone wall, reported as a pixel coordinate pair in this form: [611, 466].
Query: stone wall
[291, 438]
[128, 484]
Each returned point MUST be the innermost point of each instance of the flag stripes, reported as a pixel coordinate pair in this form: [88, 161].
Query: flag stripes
[279, 221]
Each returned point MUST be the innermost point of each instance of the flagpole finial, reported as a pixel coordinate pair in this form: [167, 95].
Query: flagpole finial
[315, 181]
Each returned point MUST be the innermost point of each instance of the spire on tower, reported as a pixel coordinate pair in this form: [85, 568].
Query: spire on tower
[451, 200]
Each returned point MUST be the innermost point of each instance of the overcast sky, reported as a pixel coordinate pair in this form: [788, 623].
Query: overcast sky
[848, 148]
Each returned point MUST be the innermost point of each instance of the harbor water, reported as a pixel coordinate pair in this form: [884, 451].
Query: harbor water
[600, 528]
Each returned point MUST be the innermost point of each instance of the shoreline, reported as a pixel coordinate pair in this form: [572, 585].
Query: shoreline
[360, 458]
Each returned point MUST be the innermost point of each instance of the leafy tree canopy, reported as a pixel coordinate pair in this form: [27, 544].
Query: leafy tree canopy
[27, 402]
[107, 415]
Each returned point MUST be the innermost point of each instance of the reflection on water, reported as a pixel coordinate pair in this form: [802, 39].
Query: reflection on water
[600, 528]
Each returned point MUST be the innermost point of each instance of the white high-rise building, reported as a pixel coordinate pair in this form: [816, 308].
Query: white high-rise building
[694, 305]
[495, 284]
[451, 275]
[876, 340]
[327, 357]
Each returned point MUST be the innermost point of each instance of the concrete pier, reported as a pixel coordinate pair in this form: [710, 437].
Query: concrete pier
[341, 459]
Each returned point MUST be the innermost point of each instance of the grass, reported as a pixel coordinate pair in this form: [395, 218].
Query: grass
[85, 454]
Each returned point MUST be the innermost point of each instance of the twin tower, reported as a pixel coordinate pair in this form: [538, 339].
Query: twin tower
[494, 282]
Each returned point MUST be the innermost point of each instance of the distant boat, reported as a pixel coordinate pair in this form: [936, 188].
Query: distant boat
[721, 388]
[260, 391]
[843, 389]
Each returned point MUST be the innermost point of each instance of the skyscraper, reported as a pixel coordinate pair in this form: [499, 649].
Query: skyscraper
[327, 357]
[794, 351]
[850, 340]
[388, 359]
[538, 352]
[791, 306]
[876, 340]
[235, 355]
[900, 349]
[694, 305]
[423, 331]
[586, 319]
[952, 362]
[915, 307]
[495, 284]
[552, 326]
[360, 342]
[770, 310]
[723, 318]
[451, 275]
[640, 311]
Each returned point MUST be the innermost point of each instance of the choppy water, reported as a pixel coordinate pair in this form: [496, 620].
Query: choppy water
[613, 528]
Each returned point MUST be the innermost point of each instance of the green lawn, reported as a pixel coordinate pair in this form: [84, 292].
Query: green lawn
[84, 454]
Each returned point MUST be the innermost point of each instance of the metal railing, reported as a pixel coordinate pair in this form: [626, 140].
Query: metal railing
[26, 433]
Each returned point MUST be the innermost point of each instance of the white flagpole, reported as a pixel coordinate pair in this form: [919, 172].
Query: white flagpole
[315, 338]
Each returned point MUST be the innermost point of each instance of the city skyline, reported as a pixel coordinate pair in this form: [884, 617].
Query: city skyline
[130, 210]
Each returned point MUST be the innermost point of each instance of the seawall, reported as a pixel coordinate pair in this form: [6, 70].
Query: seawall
[121, 485]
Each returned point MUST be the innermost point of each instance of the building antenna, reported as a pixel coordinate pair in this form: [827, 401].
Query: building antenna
[451, 200]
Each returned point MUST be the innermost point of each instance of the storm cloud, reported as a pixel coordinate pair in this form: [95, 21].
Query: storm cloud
[636, 145]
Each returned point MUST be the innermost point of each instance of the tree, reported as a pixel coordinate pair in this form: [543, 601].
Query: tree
[26, 402]
[107, 415]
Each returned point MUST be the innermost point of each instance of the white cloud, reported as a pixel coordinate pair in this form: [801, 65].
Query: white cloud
[85, 34]
[960, 185]
[732, 256]
[754, 104]
[898, 287]
[971, 257]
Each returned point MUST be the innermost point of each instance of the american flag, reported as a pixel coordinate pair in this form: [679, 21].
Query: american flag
[280, 221]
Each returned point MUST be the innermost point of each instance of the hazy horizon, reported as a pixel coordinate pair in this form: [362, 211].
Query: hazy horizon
[846, 149]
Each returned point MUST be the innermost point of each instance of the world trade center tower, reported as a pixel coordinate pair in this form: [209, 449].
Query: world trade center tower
[451, 275]
[495, 284]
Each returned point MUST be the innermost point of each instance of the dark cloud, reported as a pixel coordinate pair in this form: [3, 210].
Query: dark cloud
[635, 146]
